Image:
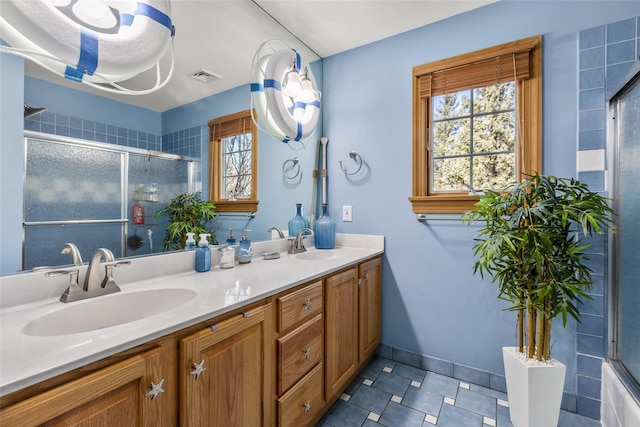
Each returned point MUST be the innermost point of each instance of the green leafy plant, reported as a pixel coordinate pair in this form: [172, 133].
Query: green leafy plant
[187, 213]
[531, 243]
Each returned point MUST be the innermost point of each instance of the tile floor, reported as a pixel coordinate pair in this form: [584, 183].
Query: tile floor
[388, 393]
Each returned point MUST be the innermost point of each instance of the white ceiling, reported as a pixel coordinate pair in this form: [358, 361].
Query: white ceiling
[223, 36]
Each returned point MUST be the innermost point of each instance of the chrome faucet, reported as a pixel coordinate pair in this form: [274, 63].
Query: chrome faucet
[93, 287]
[280, 233]
[70, 248]
[92, 279]
[297, 245]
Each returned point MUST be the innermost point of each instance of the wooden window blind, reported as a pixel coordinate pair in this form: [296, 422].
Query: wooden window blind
[220, 128]
[235, 124]
[483, 68]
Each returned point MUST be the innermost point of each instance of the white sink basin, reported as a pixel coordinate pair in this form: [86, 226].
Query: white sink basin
[107, 311]
[319, 255]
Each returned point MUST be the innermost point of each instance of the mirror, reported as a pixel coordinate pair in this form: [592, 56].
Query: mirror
[77, 114]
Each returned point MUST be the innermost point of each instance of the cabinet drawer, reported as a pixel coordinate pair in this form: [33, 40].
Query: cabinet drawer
[301, 405]
[299, 306]
[298, 352]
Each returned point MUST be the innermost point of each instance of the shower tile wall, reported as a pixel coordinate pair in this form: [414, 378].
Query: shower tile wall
[64, 125]
[605, 54]
[185, 142]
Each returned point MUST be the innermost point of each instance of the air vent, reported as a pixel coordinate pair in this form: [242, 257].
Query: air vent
[204, 76]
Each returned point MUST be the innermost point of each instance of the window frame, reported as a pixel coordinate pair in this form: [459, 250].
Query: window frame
[528, 114]
[216, 152]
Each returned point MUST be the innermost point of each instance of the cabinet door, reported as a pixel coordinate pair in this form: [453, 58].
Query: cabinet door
[226, 374]
[117, 395]
[370, 307]
[341, 330]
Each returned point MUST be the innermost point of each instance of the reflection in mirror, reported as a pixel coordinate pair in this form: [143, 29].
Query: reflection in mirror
[233, 164]
[118, 126]
[91, 194]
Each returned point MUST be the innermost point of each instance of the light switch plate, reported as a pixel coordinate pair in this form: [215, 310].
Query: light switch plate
[347, 213]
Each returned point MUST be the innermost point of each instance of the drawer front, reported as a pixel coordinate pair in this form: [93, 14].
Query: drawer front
[299, 306]
[302, 404]
[298, 352]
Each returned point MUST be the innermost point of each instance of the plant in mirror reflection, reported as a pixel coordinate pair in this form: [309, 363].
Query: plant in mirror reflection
[187, 213]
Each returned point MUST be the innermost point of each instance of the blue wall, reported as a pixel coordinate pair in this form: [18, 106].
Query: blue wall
[11, 162]
[432, 303]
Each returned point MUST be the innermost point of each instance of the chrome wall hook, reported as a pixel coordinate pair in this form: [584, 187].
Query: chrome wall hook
[355, 156]
[294, 163]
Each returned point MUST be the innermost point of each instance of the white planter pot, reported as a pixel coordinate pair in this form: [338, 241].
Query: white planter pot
[534, 390]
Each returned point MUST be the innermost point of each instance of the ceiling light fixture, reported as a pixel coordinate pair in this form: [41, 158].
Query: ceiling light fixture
[277, 86]
[96, 42]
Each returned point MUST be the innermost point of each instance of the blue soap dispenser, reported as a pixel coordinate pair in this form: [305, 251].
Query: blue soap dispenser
[190, 244]
[203, 254]
[244, 252]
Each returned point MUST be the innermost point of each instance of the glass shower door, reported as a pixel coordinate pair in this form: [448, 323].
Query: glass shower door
[72, 194]
[626, 256]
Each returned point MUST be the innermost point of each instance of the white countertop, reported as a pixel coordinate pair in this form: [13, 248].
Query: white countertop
[26, 360]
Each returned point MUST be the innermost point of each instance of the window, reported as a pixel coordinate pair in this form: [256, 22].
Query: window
[233, 163]
[477, 124]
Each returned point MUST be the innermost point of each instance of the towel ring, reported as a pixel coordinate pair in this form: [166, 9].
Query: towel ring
[294, 162]
[355, 156]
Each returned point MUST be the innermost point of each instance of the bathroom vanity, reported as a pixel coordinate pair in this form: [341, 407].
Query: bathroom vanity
[273, 342]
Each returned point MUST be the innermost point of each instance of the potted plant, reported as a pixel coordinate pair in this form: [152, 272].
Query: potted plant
[187, 213]
[531, 244]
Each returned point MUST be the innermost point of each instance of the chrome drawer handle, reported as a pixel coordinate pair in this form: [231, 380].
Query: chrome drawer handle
[307, 406]
[155, 389]
[307, 305]
[307, 352]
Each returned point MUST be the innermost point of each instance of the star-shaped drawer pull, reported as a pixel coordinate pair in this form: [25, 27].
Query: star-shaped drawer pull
[198, 368]
[155, 389]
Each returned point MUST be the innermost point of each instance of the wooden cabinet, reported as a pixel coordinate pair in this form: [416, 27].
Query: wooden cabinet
[352, 323]
[300, 351]
[303, 403]
[369, 307]
[341, 330]
[120, 395]
[225, 372]
[279, 361]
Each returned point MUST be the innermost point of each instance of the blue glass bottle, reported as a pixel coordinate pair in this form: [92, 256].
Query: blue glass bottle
[325, 230]
[298, 222]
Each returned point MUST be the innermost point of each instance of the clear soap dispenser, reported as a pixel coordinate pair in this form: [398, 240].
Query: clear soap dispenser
[244, 252]
[230, 239]
[203, 254]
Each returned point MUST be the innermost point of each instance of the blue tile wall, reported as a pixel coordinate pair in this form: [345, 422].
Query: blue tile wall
[185, 142]
[605, 54]
[64, 125]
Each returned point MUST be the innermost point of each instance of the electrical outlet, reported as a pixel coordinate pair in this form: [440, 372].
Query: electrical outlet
[347, 213]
